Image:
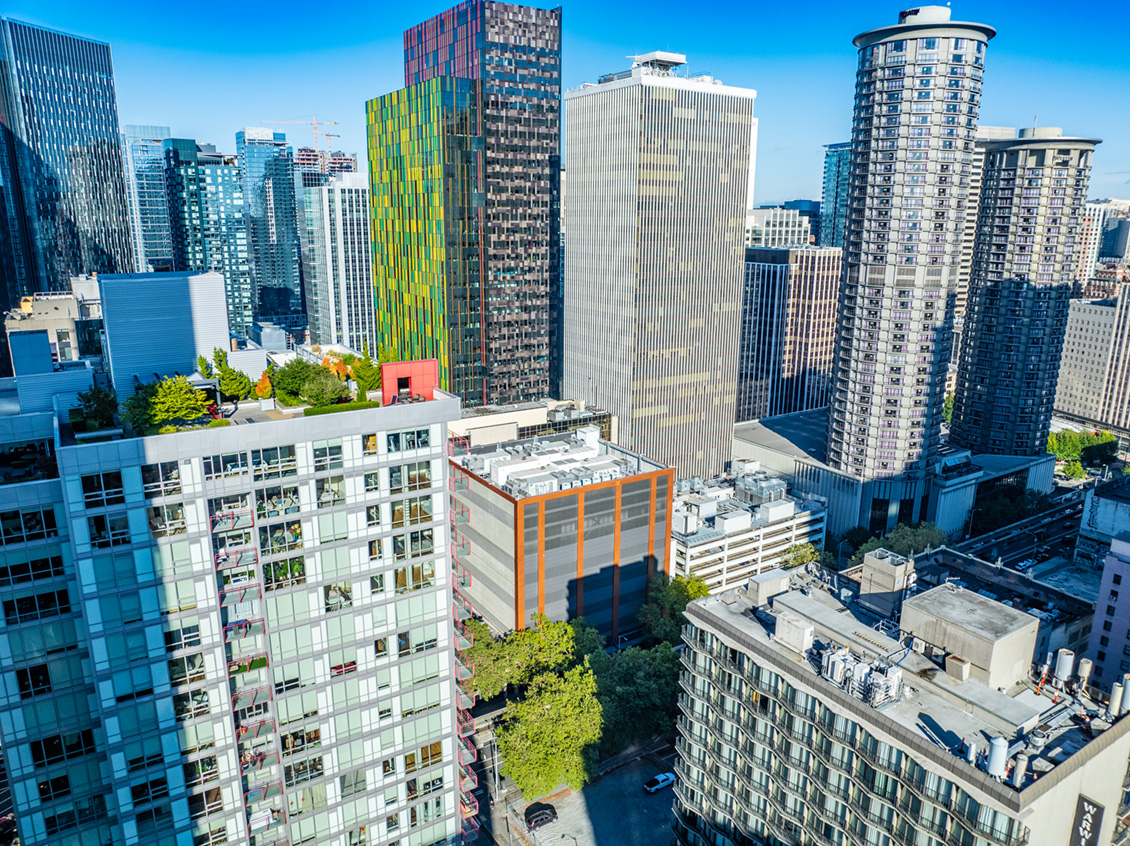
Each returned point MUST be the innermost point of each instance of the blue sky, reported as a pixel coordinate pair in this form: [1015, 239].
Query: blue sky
[207, 71]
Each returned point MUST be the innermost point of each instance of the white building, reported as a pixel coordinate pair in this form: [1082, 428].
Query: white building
[660, 175]
[777, 227]
[337, 260]
[732, 530]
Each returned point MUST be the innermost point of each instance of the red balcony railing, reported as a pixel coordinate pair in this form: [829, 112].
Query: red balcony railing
[266, 819]
[246, 665]
[243, 629]
[470, 830]
[239, 518]
[465, 723]
[462, 608]
[244, 556]
[464, 640]
[467, 754]
[470, 806]
[246, 592]
[253, 730]
[250, 762]
[249, 698]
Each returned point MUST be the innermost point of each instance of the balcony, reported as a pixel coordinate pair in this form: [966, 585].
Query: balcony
[255, 730]
[465, 723]
[246, 665]
[462, 671]
[251, 698]
[266, 819]
[229, 520]
[470, 806]
[238, 594]
[239, 556]
[461, 608]
[251, 763]
[466, 753]
[470, 830]
[243, 629]
[464, 640]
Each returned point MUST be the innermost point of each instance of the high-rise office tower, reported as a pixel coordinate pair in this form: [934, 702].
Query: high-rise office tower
[1115, 247]
[464, 166]
[788, 312]
[204, 190]
[236, 636]
[834, 203]
[1094, 378]
[337, 260]
[654, 256]
[777, 226]
[812, 211]
[969, 227]
[917, 95]
[1090, 241]
[1033, 189]
[143, 147]
[271, 217]
[324, 161]
[64, 195]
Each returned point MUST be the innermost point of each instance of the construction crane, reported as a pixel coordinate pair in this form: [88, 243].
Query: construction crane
[315, 123]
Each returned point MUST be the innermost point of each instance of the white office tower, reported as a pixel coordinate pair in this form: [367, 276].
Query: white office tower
[917, 94]
[660, 175]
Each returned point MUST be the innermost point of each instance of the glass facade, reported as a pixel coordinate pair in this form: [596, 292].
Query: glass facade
[271, 219]
[501, 64]
[834, 205]
[61, 174]
[148, 206]
[206, 217]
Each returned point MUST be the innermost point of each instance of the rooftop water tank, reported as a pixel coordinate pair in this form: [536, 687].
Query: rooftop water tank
[1064, 664]
[998, 757]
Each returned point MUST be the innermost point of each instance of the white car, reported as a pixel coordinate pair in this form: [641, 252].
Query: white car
[656, 784]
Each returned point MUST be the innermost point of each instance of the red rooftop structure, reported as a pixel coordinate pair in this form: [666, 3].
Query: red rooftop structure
[407, 381]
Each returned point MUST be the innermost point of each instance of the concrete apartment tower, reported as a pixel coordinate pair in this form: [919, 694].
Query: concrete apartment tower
[917, 95]
[1033, 190]
[464, 168]
[660, 172]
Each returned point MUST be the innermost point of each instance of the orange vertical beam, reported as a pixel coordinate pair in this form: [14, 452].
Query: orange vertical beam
[667, 534]
[651, 529]
[616, 567]
[519, 567]
[580, 553]
[541, 557]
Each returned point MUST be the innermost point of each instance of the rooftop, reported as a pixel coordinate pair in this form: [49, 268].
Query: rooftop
[698, 505]
[972, 611]
[800, 435]
[934, 714]
[541, 465]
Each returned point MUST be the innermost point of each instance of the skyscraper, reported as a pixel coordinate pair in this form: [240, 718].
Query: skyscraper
[777, 226]
[271, 217]
[63, 187]
[207, 218]
[834, 203]
[1033, 190]
[464, 170]
[337, 260]
[917, 94]
[654, 256]
[788, 312]
[1091, 241]
[148, 205]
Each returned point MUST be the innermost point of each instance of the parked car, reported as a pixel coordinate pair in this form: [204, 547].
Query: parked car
[654, 785]
[540, 815]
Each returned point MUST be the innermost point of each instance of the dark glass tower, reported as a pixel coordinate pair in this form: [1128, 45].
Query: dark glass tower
[469, 283]
[62, 184]
[1033, 193]
[271, 216]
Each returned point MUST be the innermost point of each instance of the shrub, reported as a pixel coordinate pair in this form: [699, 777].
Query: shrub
[341, 406]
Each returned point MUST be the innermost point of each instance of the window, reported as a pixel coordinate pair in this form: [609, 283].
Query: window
[413, 545]
[99, 489]
[80, 811]
[338, 596]
[1102, 655]
[343, 661]
[187, 669]
[15, 572]
[408, 512]
[415, 577]
[410, 477]
[417, 640]
[1106, 626]
[327, 455]
[369, 444]
[1117, 579]
[277, 500]
[299, 772]
[107, 530]
[23, 526]
[377, 583]
[33, 680]
[374, 549]
[410, 439]
[61, 747]
[380, 647]
[388, 766]
[147, 791]
[166, 520]
[1105, 641]
[225, 466]
[373, 515]
[284, 574]
[161, 479]
[38, 606]
[215, 837]
[1110, 610]
[188, 706]
[274, 463]
[331, 491]
[229, 512]
[188, 635]
[280, 537]
[431, 753]
[353, 783]
[203, 804]
[201, 772]
[372, 482]
[298, 741]
[153, 819]
[54, 788]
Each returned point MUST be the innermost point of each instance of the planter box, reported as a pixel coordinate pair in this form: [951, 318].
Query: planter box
[267, 404]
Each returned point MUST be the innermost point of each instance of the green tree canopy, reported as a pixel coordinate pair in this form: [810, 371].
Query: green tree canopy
[293, 375]
[322, 387]
[487, 656]
[204, 367]
[638, 690]
[517, 659]
[857, 537]
[588, 642]
[137, 410]
[1074, 470]
[904, 540]
[177, 401]
[1087, 447]
[947, 408]
[799, 554]
[98, 406]
[550, 737]
[662, 615]
[234, 384]
[1007, 508]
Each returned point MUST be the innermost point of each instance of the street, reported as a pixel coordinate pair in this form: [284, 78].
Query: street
[1054, 529]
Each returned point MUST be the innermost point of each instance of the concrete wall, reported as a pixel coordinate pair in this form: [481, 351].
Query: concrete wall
[491, 558]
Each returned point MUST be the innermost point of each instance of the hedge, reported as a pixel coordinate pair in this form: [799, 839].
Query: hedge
[343, 406]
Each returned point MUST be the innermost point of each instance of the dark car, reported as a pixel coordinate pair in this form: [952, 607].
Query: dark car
[542, 816]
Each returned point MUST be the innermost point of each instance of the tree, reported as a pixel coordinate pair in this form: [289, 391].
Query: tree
[366, 374]
[904, 540]
[662, 615]
[516, 660]
[292, 376]
[488, 656]
[234, 384]
[263, 389]
[799, 554]
[857, 537]
[177, 401]
[638, 693]
[204, 367]
[1074, 470]
[137, 410]
[1100, 448]
[98, 407]
[322, 387]
[947, 408]
[550, 737]
[588, 642]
